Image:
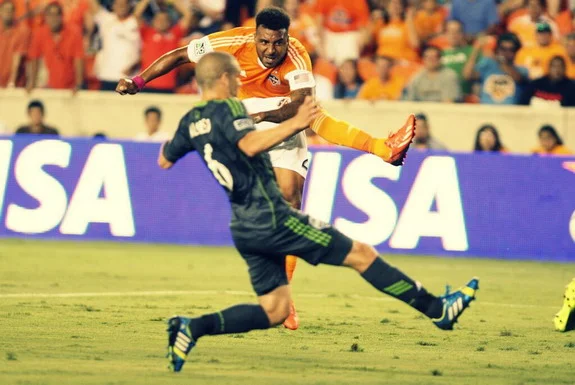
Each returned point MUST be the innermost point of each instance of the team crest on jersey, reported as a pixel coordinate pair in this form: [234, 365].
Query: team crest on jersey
[200, 48]
[274, 80]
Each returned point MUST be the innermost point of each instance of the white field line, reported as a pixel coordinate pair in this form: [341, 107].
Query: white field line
[166, 293]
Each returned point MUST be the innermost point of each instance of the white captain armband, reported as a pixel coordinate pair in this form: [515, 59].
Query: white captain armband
[198, 48]
[299, 79]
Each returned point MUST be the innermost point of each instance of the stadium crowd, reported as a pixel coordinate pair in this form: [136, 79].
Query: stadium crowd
[500, 52]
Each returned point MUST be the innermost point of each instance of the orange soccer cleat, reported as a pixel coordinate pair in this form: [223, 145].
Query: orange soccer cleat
[399, 141]
[292, 321]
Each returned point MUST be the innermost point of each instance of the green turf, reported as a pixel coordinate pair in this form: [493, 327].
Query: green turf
[350, 334]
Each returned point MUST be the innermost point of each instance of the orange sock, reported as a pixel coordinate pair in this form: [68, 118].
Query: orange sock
[344, 134]
[291, 261]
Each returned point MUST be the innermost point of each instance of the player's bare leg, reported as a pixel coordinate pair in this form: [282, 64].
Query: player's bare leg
[391, 149]
[291, 186]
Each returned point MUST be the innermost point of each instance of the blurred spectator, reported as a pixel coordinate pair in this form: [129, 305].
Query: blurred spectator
[570, 48]
[233, 11]
[524, 26]
[159, 38]
[487, 140]
[120, 53]
[208, 15]
[36, 124]
[423, 139]
[429, 20]
[537, 57]
[457, 54]
[153, 120]
[476, 16]
[434, 83]
[383, 87]
[14, 40]
[501, 80]
[554, 88]
[348, 80]
[303, 27]
[396, 37]
[30, 12]
[550, 142]
[343, 25]
[99, 136]
[62, 50]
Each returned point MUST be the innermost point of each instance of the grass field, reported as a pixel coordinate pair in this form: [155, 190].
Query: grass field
[94, 313]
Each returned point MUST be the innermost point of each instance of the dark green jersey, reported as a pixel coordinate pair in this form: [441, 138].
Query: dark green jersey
[213, 129]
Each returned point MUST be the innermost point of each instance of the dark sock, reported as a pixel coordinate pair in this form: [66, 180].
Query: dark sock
[236, 319]
[393, 282]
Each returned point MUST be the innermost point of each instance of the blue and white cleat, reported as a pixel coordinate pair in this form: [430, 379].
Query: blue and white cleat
[455, 303]
[565, 318]
[180, 342]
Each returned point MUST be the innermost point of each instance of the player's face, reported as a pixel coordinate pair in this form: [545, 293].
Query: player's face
[547, 141]
[271, 46]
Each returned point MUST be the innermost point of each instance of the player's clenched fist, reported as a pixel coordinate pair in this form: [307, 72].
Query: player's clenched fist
[127, 86]
[306, 113]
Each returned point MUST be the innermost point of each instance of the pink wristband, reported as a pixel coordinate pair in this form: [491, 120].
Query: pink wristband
[139, 82]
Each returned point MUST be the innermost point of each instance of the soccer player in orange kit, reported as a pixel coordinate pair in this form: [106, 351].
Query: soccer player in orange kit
[276, 77]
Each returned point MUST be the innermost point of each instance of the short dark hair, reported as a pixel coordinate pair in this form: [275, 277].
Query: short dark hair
[421, 116]
[431, 48]
[510, 37]
[36, 104]
[273, 18]
[551, 130]
[558, 58]
[153, 110]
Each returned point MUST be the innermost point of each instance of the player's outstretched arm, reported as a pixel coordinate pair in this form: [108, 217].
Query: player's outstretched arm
[286, 111]
[257, 142]
[161, 66]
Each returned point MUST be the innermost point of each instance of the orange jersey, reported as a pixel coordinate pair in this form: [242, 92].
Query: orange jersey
[295, 72]
[536, 58]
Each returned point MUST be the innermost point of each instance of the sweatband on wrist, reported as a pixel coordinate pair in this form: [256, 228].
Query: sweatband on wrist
[139, 82]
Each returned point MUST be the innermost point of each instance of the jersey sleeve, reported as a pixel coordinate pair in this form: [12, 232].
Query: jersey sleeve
[297, 69]
[180, 144]
[226, 41]
[236, 121]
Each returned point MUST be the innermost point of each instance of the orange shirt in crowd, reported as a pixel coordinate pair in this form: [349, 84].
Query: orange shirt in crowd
[429, 24]
[154, 45]
[557, 150]
[564, 22]
[376, 89]
[301, 28]
[58, 54]
[524, 28]
[343, 15]
[570, 71]
[75, 11]
[393, 41]
[14, 40]
[257, 80]
[30, 11]
[536, 58]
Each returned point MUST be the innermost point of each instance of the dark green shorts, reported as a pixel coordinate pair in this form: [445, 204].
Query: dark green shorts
[296, 234]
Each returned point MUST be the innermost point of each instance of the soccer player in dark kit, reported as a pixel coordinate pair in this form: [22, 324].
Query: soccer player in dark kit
[265, 228]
